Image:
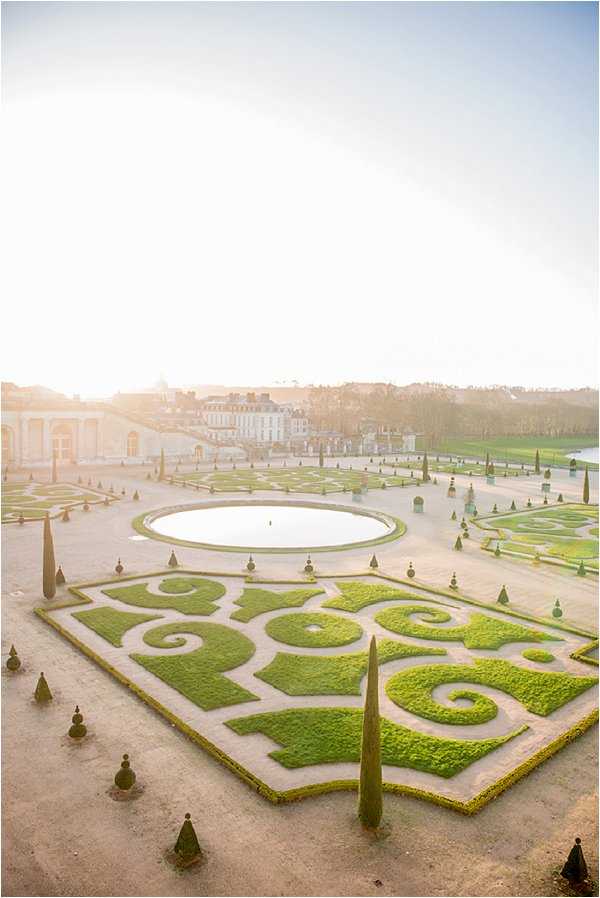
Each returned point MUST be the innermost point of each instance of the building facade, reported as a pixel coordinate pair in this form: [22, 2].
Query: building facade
[254, 418]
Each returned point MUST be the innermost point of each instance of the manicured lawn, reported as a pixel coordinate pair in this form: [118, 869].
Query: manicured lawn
[539, 655]
[333, 674]
[541, 692]
[300, 479]
[190, 595]
[357, 595]
[313, 630]
[199, 674]
[112, 624]
[481, 632]
[520, 449]
[333, 735]
[257, 601]
[33, 500]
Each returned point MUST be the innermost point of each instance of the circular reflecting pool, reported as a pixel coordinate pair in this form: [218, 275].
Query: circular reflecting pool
[270, 525]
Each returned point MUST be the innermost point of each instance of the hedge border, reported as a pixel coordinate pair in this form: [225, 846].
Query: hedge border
[70, 505]
[141, 524]
[581, 654]
[470, 807]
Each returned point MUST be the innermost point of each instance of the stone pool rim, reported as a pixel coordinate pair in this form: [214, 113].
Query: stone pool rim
[143, 525]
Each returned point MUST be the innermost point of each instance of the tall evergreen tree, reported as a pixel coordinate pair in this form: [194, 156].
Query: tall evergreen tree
[426, 477]
[54, 474]
[321, 459]
[49, 564]
[370, 796]
[537, 461]
[487, 462]
[161, 469]
[586, 487]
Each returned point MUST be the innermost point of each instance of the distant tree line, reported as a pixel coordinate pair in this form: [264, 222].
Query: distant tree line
[438, 412]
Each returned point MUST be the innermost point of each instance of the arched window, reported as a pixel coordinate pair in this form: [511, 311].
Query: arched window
[132, 444]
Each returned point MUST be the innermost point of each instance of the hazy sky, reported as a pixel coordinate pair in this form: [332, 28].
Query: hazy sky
[262, 192]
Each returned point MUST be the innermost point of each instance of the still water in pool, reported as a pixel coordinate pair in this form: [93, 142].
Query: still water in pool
[269, 526]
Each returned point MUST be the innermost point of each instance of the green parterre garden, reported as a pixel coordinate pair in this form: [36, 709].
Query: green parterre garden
[227, 659]
[565, 534]
[297, 479]
[33, 500]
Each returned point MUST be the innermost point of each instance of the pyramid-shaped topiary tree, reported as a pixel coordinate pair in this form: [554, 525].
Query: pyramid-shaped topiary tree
[173, 560]
[49, 564]
[370, 793]
[586, 487]
[458, 544]
[503, 596]
[187, 846]
[373, 562]
[575, 868]
[513, 507]
[581, 571]
[453, 516]
[60, 577]
[42, 690]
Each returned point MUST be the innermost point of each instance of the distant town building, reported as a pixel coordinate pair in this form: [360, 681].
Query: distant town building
[255, 418]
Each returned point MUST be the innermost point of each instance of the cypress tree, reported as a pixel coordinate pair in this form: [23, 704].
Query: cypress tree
[161, 470]
[49, 564]
[503, 596]
[513, 507]
[425, 469]
[370, 795]
[487, 462]
[321, 460]
[125, 777]
[586, 487]
[42, 691]
[373, 562]
[13, 662]
[560, 497]
[537, 461]
[173, 560]
[54, 474]
[458, 544]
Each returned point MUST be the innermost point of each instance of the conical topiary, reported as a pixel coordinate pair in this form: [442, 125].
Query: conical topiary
[78, 728]
[42, 691]
[453, 516]
[119, 567]
[560, 498]
[410, 572]
[557, 610]
[513, 507]
[21, 519]
[575, 868]
[453, 581]
[161, 469]
[495, 509]
[124, 777]
[187, 847]
[250, 566]
[172, 562]
[54, 473]
[99, 487]
[586, 487]
[545, 502]
[373, 563]
[49, 564]
[581, 572]
[529, 503]
[458, 544]
[465, 533]
[60, 577]
[136, 496]
[13, 662]
[370, 793]
[503, 596]
[308, 567]
[537, 461]
[425, 469]
[497, 552]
